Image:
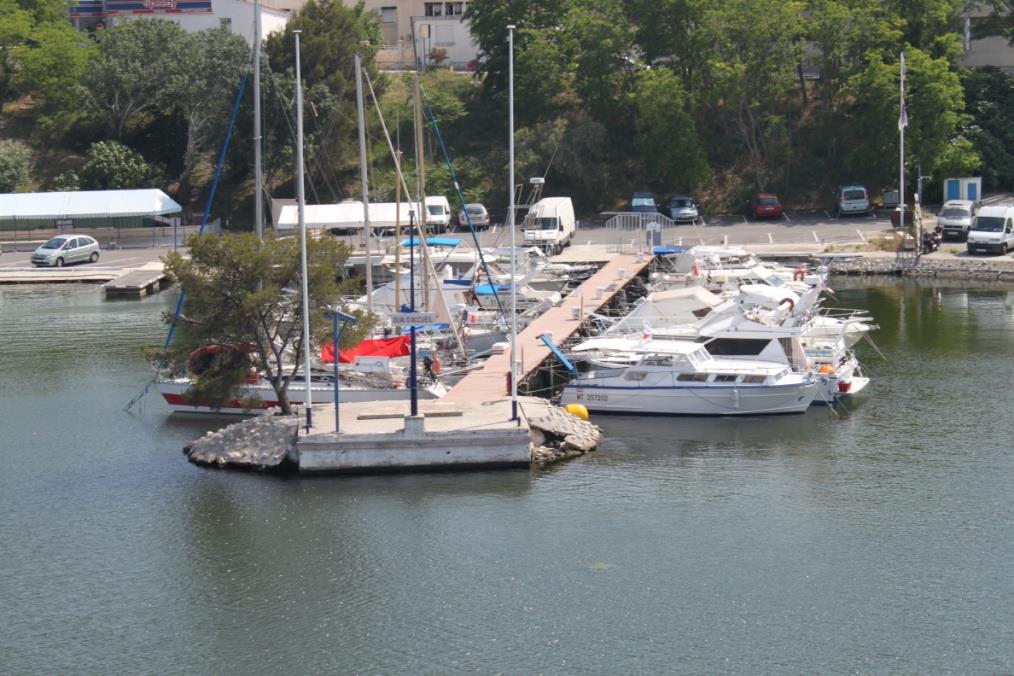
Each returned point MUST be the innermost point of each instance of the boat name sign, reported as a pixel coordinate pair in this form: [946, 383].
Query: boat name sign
[413, 318]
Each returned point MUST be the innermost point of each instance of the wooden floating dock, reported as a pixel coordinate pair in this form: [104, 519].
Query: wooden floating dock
[138, 283]
[561, 321]
[58, 275]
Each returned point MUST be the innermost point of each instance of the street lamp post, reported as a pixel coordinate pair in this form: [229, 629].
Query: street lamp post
[337, 317]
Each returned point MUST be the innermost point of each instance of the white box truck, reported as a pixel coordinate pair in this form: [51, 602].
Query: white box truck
[992, 230]
[550, 224]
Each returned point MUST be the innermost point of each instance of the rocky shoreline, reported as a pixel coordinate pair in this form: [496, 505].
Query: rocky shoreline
[944, 265]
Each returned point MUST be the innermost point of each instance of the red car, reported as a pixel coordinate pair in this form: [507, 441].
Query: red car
[765, 205]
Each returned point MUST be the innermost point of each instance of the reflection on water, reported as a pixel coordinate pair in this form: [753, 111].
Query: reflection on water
[877, 540]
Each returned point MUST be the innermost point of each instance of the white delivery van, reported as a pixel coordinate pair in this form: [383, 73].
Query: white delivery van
[550, 224]
[955, 218]
[438, 214]
[851, 199]
[992, 230]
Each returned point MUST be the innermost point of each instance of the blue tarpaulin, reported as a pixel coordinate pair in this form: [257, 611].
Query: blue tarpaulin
[663, 250]
[432, 241]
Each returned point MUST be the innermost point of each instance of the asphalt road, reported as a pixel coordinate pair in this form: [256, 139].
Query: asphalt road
[118, 258]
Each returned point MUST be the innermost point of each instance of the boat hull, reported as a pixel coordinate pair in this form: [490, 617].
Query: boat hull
[694, 400]
[255, 398]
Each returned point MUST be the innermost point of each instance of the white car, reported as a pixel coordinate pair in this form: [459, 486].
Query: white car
[64, 249]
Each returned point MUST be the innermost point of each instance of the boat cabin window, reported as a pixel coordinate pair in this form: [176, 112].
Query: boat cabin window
[753, 380]
[635, 375]
[726, 378]
[692, 377]
[737, 347]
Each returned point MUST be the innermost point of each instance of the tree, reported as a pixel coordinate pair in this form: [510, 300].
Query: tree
[139, 69]
[15, 164]
[15, 28]
[667, 139]
[241, 291]
[50, 67]
[110, 165]
[989, 95]
[212, 67]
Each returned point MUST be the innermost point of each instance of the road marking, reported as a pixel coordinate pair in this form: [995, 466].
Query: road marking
[745, 221]
[860, 233]
[786, 216]
[725, 240]
[771, 239]
[815, 238]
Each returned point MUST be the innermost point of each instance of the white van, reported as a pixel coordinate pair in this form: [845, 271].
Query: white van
[438, 214]
[851, 199]
[550, 224]
[992, 230]
[955, 218]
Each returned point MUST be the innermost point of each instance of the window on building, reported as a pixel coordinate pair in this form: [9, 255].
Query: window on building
[454, 8]
[225, 23]
[389, 24]
[434, 9]
[443, 34]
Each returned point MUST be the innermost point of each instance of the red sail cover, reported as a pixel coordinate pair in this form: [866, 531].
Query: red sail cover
[381, 347]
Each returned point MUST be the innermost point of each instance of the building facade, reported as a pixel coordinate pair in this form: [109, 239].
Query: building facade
[235, 16]
[435, 33]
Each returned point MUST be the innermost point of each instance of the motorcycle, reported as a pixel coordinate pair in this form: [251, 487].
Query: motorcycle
[931, 240]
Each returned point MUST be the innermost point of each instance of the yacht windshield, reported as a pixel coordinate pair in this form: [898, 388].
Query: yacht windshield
[988, 224]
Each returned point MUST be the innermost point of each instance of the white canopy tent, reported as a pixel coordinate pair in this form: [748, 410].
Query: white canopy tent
[346, 216]
[86, 204]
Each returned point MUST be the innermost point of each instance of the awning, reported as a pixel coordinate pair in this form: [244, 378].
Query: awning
[86, 204]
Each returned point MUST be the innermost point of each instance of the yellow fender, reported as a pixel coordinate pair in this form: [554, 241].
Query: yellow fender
[577, 410]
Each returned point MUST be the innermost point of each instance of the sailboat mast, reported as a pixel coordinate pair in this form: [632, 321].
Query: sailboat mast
[258, 174]
[362, 177]
[510, 224]
[420, 178]
[902, 123]
[301, 209]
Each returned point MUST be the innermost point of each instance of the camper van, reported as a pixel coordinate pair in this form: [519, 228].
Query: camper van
[438, 214]
[992, 231]
[550, 224]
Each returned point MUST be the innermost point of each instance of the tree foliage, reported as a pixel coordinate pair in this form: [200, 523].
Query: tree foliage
[15, 164]
[110, 165]
[241, 291]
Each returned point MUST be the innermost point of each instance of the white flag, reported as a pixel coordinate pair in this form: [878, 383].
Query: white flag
[903, 117]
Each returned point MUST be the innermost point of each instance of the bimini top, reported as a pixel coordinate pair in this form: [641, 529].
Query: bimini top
[86, 204]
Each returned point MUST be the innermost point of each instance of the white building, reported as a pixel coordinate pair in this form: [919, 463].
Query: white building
[429, 29]
[235, 16]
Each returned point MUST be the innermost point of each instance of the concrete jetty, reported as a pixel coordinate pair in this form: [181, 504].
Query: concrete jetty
[382, 437]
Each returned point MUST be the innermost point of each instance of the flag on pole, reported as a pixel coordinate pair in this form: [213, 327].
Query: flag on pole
[903, 117]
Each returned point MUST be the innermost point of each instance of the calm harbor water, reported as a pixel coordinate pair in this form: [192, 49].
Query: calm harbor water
[877, 542]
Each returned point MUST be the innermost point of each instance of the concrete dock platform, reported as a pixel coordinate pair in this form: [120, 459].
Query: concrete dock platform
[381, 436]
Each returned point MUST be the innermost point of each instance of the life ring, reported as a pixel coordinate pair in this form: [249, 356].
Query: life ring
[792, 304]
[696, 269]
[436, 365]
[800, 273]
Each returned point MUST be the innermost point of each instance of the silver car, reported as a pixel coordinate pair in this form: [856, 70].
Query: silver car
[476, 212]
[64, 249]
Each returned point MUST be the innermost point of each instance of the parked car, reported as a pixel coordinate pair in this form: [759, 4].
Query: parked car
[477, 214]
[683, 209]
[851, 199]
[64, 249]
[643, 202]
[765, 205]
[955, 218]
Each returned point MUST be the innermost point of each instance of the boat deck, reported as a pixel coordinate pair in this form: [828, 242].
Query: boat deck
[561, 321]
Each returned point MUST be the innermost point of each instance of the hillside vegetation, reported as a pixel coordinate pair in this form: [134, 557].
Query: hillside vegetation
[720, 98]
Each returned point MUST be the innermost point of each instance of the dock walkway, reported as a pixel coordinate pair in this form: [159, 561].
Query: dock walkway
[561, 321]
[149, 278]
